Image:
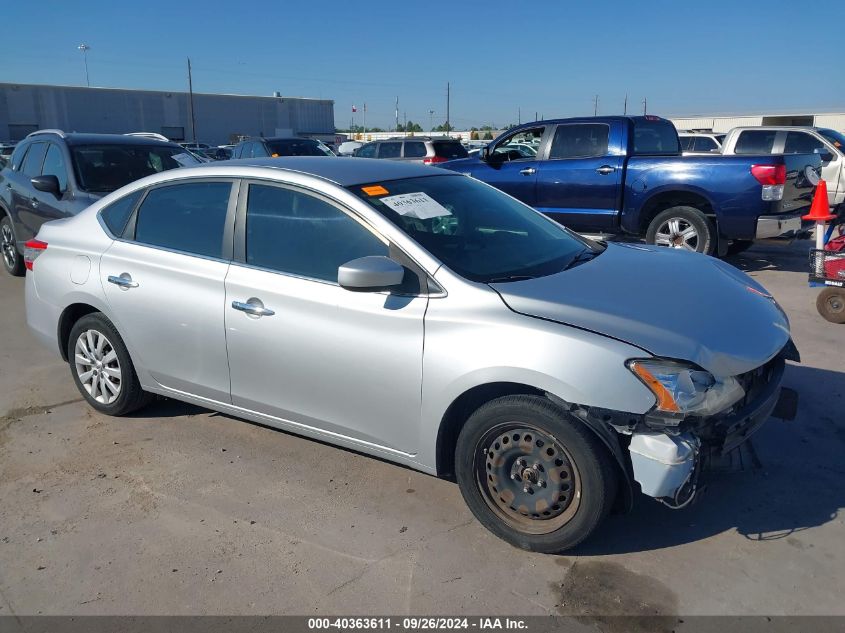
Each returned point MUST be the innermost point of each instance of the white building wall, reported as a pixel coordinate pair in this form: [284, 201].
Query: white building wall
[717, 124]
[833, 121]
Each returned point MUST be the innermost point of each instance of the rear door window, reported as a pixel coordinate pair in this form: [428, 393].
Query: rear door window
[686, 142]
[188, 217]
[390, 150]
[802, 143]
[755, 142]
[655, 136]
[116, 215]
[415, 149]
[367, 151]
[34, 158]
[580, 141]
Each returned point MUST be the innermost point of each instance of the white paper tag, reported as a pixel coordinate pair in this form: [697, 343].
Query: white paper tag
[416, 205]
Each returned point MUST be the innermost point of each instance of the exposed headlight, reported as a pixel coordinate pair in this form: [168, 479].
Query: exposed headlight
[683, 390]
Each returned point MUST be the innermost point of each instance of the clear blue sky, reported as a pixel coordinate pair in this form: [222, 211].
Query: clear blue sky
[546, 57]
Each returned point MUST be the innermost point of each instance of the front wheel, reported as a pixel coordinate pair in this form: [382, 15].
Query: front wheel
[682, 227]
[532, 475]
[12, 260]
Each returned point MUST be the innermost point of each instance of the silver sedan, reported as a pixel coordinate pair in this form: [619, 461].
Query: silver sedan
[420, 316]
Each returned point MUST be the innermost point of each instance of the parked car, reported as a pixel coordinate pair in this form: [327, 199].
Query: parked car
[347, 148]
[6, 150]
[280, 146]
[828, 144]
[53, 174]
[700, 142]
[428, 150]
[626, 175]
[218, 153]
[546, 386]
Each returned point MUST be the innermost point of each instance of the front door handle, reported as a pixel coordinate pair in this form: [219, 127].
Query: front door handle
[123, 281]
[34, 202]
[528, 171]
[604, 170]
[253, 307]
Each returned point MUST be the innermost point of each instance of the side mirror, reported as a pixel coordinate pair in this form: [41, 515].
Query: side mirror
[370, 274]
[47, 184]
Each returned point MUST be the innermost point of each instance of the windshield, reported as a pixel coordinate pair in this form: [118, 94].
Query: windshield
[475, 230]
[104, 168]
[834, 137]
[297, 147]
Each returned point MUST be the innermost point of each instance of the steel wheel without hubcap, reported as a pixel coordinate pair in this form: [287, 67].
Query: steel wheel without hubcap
[7, 246]
[527, 478]
[677, 233]
[97, 366]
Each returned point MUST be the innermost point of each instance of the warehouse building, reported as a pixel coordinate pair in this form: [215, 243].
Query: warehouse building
[217, 119]
[723, 123]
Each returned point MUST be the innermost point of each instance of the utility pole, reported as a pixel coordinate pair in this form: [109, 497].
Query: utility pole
[191, 97]
[645, 106]
[85, 48]
[596, 105]
[364, 119]
[625, 106]
[430, 120]
[397, 114]
[405, 122]
[519, 116]
[448, 96]
[535, 116]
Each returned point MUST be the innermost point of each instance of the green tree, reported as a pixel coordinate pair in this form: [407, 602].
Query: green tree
[488, 136]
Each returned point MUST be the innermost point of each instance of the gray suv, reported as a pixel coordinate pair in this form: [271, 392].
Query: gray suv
[428, 150]
[53, 175]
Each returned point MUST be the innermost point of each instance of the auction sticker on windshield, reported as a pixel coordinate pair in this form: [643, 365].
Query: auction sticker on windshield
[416, 205]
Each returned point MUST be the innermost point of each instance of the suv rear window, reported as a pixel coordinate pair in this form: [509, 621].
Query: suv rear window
[653, 135]
[755, 142]
[295, 147]
[449, 149]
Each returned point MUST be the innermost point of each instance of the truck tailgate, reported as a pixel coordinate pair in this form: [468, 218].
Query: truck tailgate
[802, 176]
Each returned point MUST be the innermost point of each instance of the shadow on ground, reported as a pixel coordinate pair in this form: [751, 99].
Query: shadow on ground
[789, 257]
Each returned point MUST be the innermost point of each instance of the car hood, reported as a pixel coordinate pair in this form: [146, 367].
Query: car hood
[671, 303]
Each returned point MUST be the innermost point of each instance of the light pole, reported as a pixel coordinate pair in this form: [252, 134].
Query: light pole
[85, 48]
[430, 120]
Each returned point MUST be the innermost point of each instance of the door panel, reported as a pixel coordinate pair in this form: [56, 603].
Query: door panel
[517, 178]
[344, 362]
[172, 320]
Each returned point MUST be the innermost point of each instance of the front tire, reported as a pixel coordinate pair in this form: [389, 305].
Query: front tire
[532, 474]
[682, 227]
[12, 260]
[101, 367]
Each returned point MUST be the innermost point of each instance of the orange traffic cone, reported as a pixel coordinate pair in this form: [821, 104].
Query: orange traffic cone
[820, 209]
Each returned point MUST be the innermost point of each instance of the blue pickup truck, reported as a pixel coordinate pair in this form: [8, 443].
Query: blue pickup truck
[626, 174]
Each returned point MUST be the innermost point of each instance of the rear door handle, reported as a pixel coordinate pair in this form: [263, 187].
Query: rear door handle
[253, 307]
[123, 281]
[528, 171]
[604, 170]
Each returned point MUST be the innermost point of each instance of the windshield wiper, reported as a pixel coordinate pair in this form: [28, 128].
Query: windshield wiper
[509, 278]
[584, 256]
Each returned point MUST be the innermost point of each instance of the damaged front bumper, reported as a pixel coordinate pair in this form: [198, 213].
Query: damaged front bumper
[666, 459]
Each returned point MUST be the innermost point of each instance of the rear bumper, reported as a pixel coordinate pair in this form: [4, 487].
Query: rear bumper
[777, 226]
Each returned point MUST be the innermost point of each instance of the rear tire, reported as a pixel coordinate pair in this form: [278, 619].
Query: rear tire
[682, 227]
[12, 260]
[101, 367]
[831, 304]
[533, 475]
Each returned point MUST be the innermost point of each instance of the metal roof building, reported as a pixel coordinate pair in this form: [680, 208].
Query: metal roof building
[219, 118]
[723, 123]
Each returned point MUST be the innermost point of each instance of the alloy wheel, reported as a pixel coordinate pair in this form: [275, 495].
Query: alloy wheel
[97, 366]
[527, 478]
[7, 246]
[677, 233]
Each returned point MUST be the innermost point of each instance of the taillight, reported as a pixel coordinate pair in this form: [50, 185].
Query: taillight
[769, 174]
[31, 250]
[433, 160]
[773, 178]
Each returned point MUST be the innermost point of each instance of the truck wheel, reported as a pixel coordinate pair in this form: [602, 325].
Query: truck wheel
[831, 304]
[682, 227]
[533, 475]
[739, 246]
[12, 260]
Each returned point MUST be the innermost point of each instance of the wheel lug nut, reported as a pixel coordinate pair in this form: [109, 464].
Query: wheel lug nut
[514, 476]
[541, 483]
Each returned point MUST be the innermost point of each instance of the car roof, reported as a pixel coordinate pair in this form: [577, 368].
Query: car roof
[77, 138]
[341, 170]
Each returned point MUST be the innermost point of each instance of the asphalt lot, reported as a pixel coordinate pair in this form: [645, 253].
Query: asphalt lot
[179, 510]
